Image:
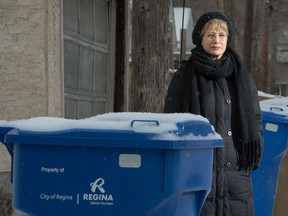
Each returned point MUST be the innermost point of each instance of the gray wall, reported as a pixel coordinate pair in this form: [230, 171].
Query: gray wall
[31, 68]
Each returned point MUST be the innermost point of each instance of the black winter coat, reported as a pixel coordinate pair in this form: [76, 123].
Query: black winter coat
[231, 193]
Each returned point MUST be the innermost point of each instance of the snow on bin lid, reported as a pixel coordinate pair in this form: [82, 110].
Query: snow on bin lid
[275, 110]
[140, 126]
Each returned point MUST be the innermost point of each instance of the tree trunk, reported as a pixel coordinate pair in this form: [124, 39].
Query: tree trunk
[151, 45]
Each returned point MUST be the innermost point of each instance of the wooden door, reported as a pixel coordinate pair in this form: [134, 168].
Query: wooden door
[89, 35]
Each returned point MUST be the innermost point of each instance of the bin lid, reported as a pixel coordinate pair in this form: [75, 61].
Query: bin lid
[274, 113]
[131, 130]
[3, 131]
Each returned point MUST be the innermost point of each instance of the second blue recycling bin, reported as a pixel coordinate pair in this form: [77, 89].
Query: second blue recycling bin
[82, 171]
[265, 179]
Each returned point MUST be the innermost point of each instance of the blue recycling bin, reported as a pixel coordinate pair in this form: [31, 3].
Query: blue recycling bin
[265, 178]
[95, 171]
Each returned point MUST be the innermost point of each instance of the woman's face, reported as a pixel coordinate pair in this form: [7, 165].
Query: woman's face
[214, 42]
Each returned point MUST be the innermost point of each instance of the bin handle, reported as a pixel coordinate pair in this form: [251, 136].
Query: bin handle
[276, 108]
[149, 121]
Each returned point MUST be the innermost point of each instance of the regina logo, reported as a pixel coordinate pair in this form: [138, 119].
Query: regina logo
[98, 195]
[98, 184]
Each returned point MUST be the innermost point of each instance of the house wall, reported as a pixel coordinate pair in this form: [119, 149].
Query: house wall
[31, 69]
[278, 45]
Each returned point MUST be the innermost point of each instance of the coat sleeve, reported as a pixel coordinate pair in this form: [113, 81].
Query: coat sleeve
[174, 99]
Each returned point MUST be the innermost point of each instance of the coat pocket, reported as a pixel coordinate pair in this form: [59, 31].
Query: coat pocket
[239, 185]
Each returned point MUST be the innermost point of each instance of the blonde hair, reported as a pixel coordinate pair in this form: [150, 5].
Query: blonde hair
[217, 23]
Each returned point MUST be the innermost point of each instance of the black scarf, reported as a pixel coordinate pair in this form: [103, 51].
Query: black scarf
[245, 135]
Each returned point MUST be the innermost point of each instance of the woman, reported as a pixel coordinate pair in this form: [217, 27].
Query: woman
[214, 83]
